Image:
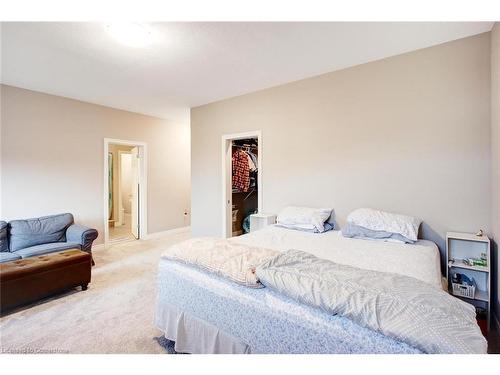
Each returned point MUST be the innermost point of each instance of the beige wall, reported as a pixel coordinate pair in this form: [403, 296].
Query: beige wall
[409, 134]
[52, 159]
[114, 149]
[126, 182]
[495, 153]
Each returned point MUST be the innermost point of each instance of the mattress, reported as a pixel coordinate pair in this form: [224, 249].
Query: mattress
[204, 313]
[420, 260]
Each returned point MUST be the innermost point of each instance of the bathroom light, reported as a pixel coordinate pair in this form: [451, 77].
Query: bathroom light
[131, 34]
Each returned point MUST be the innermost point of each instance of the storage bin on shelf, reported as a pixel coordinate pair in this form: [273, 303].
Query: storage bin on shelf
[464, 290]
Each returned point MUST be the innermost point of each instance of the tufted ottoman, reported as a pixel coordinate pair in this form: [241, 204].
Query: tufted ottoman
[28, 280]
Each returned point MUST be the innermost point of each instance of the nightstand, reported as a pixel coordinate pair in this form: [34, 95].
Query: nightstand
[459, 248]
[259, 221]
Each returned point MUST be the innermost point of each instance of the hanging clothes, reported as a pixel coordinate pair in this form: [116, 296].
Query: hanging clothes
[254, 159]
[241, 171]
[251, 164]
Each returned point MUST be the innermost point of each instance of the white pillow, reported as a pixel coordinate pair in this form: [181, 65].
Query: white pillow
[314, 217]
[406, 226]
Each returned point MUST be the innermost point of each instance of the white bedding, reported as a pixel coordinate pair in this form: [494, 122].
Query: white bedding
[420, 260]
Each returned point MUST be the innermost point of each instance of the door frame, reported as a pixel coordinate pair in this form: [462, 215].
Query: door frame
[143, 185]
[226, 156]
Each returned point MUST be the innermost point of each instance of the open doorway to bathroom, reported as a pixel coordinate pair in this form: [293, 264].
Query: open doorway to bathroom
[124, 197]
[124, 191]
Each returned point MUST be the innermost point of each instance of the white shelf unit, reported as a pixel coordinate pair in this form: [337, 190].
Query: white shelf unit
[460, 246]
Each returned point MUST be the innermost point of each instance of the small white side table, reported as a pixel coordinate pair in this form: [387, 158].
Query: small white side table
[259, 221]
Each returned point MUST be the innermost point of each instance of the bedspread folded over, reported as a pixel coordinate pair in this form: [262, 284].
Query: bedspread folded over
[398, 306]
[222, 257]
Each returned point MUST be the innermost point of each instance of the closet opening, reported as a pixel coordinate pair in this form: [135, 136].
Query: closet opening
[242, 181]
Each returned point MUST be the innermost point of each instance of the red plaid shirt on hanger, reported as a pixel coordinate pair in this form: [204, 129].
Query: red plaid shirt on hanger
[241, 171]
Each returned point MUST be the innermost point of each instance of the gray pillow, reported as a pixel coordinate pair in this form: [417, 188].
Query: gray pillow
[4, 239]
[42, 230]
[356, 231]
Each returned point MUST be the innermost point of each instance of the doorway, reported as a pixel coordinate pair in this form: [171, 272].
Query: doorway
[125, 190]
[241, 181]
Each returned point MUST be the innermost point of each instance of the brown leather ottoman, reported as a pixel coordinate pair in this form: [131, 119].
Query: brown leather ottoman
[28, 280]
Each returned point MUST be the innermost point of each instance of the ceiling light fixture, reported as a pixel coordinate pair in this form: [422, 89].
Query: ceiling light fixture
[131, 34]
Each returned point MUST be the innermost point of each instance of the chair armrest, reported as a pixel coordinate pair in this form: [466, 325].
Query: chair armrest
[82, 235]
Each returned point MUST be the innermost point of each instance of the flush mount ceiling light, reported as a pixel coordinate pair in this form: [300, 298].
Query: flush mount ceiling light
[131, 34]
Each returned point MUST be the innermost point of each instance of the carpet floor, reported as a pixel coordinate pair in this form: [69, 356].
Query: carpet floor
[115, 314]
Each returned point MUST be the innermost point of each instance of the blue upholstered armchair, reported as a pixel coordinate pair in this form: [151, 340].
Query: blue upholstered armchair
[31, 237]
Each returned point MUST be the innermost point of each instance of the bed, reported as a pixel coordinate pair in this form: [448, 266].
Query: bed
[204, 313]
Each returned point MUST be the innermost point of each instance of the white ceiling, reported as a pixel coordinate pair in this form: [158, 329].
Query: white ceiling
[190, 64]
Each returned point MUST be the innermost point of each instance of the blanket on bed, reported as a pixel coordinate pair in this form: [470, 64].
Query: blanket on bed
[398, 306]
[222, 257]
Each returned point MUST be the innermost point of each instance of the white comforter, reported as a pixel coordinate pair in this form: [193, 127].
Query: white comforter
[398, 306]
[225, 258]
[419, 260]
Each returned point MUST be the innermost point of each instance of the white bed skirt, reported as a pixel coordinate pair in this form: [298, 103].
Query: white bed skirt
[195, 336]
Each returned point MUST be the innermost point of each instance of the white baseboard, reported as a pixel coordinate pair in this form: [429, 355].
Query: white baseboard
[150, 236]
[98, 247]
